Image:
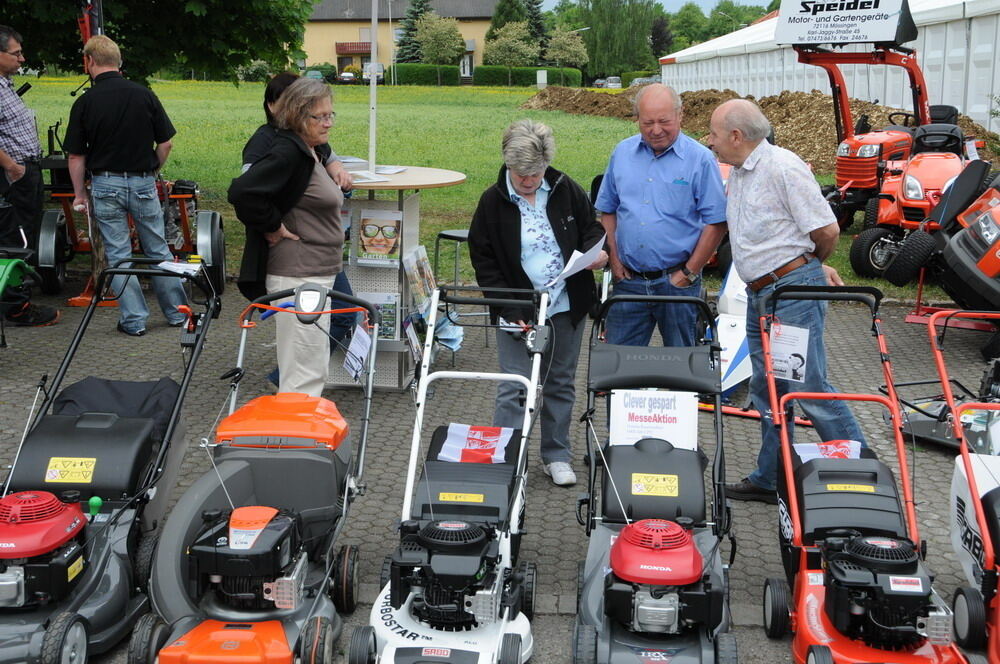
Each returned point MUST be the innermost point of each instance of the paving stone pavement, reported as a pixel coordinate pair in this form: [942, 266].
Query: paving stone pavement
[554, 540]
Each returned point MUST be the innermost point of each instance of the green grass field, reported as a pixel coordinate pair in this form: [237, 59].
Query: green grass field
[453, 128]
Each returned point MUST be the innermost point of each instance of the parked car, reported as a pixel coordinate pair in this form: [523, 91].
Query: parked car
[614, 82]
[600, 82]
[346, 77]
[366, 74]
[314, 73]
[645, 80]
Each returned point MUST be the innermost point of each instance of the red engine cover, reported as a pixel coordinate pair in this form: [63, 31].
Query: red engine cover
[36, 522]
[656, 552]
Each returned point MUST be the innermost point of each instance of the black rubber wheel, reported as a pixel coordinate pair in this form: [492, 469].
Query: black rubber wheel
[65, 640]
[345, 580]
[989, 384]
[54, 250]
[148, 637]
[144, 553]
[362, 647]
[316, 641]
[579, 584]
[510, 649]
[385, 574]
[819, 655]
[914, 252]
[969, 618]
[530, 574]
[584, 644]
[870, 251]
[726, 651]
[51, 279]
[776, 602]
[871, 213]
[212, 246]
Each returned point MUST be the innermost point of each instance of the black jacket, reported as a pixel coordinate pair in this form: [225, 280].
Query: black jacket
[262, 140]
[262, 196]
[495, 242]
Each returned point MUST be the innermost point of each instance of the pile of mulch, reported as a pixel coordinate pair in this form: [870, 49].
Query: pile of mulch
[803, 121]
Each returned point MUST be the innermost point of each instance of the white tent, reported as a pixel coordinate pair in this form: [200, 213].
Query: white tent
[955, 48]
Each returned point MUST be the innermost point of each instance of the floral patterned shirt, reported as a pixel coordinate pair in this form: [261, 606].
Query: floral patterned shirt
[541, 257]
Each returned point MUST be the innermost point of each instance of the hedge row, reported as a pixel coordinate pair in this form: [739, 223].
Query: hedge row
[418, 74]
[524, 76]
[629, 76]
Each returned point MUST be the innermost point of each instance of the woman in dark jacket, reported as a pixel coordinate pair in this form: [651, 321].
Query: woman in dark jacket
[291, 209]
[525, 228]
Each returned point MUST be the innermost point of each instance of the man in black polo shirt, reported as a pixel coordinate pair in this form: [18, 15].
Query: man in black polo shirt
[112, 131]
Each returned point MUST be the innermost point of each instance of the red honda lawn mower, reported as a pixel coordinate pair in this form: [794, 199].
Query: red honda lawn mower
[856, 588]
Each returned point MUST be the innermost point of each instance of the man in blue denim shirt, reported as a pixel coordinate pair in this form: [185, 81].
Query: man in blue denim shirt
[663, 206]
[111, 133]
[781, 231]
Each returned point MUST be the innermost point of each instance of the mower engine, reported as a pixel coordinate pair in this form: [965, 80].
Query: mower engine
[253, 558]
[451, 568]
[878, 591]
[656, 576]
[41, 547]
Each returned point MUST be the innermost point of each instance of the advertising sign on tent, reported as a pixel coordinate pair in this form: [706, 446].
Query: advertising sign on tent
[839, 21]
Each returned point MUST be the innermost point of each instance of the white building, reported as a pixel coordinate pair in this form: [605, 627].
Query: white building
[956, 49]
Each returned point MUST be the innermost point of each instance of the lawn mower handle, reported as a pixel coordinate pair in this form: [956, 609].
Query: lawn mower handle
[373, 313]
[151, 271]
[446, 294]
[664, 299]
[866, 295]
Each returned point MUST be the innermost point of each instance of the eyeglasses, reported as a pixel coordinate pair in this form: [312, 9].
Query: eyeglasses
[16, 54]
[325, 117]
[388, 232]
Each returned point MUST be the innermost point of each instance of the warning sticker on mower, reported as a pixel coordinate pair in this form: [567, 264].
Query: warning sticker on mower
[71, 469]
[651, 484]
[863, 488]
[75, 568]
[461, 497]
[906, 584]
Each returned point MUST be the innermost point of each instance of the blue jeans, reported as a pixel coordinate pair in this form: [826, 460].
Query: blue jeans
[632, 323]
[114, 199]
[832, 419]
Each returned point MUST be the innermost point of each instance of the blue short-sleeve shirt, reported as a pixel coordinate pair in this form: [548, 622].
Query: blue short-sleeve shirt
[662, 202]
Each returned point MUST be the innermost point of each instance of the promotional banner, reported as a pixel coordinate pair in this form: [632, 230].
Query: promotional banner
[670, 416]
[839, 22]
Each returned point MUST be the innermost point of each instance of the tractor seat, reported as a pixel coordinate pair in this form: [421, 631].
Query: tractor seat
[938, 138]
[684, 369]
[944, 114]
[966, 188]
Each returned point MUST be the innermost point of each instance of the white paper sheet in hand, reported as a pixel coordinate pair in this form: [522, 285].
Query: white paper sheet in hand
[578, 262]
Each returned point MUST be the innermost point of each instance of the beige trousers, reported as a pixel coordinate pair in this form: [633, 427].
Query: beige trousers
[303, 350]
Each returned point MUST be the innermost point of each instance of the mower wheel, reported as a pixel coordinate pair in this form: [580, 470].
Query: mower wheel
[316, 641]
[989, 384]
[362, 649]
[584, 644]
[725, 649]
[871, 213]
[510, 649]
[580, 569]
[530, 575]
[819, 655]
[211, 246]
[345, 581]
[144, 553]
[385, 574]
[870, 251]
[53, 252]
[149, 635]
[914, 252]
[970, 618]
[776, 603]
[65, 640]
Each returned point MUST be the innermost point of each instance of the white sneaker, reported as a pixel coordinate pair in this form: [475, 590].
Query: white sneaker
[560, 472]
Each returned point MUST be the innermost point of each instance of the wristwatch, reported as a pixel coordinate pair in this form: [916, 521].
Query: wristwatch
[691, 276]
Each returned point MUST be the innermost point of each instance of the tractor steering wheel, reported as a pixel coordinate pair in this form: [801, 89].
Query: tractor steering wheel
[906, 119]
[946, 142]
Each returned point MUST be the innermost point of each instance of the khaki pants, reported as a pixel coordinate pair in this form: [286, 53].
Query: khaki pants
[303, 350]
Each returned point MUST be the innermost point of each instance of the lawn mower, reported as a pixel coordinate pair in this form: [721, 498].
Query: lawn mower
[975, 501]
[14, 273]
[455, 590]
[856, 588]
[246, 569]
[84, 501]
[653, 586]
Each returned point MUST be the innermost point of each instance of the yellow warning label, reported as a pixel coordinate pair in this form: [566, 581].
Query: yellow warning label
[865, 488]
[650, 484]
[75, 568]
[71, 469]
[461, 497]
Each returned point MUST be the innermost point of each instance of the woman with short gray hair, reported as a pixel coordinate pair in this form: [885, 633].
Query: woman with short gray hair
[527, 225]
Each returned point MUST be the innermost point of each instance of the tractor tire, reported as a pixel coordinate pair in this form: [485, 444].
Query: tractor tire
[777, 599]
[65, 640]
[345, 581]
[914, 252]
[870, 251]
[726, 651]
[510, 649]
[149, 636]
[316, 643]
[362, 649]
[819, 655]
[584, 644]
[871, 213]
[969, 618]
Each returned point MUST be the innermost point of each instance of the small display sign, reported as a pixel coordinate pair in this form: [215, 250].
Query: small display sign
[837, 21]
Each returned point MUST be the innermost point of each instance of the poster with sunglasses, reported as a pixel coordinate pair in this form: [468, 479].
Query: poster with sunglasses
[375, 237]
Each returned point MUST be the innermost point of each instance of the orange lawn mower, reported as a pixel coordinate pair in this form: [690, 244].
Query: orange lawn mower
[857, 590]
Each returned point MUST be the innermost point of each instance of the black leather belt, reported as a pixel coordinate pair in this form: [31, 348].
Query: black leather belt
[124, 174]
[656, 274]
